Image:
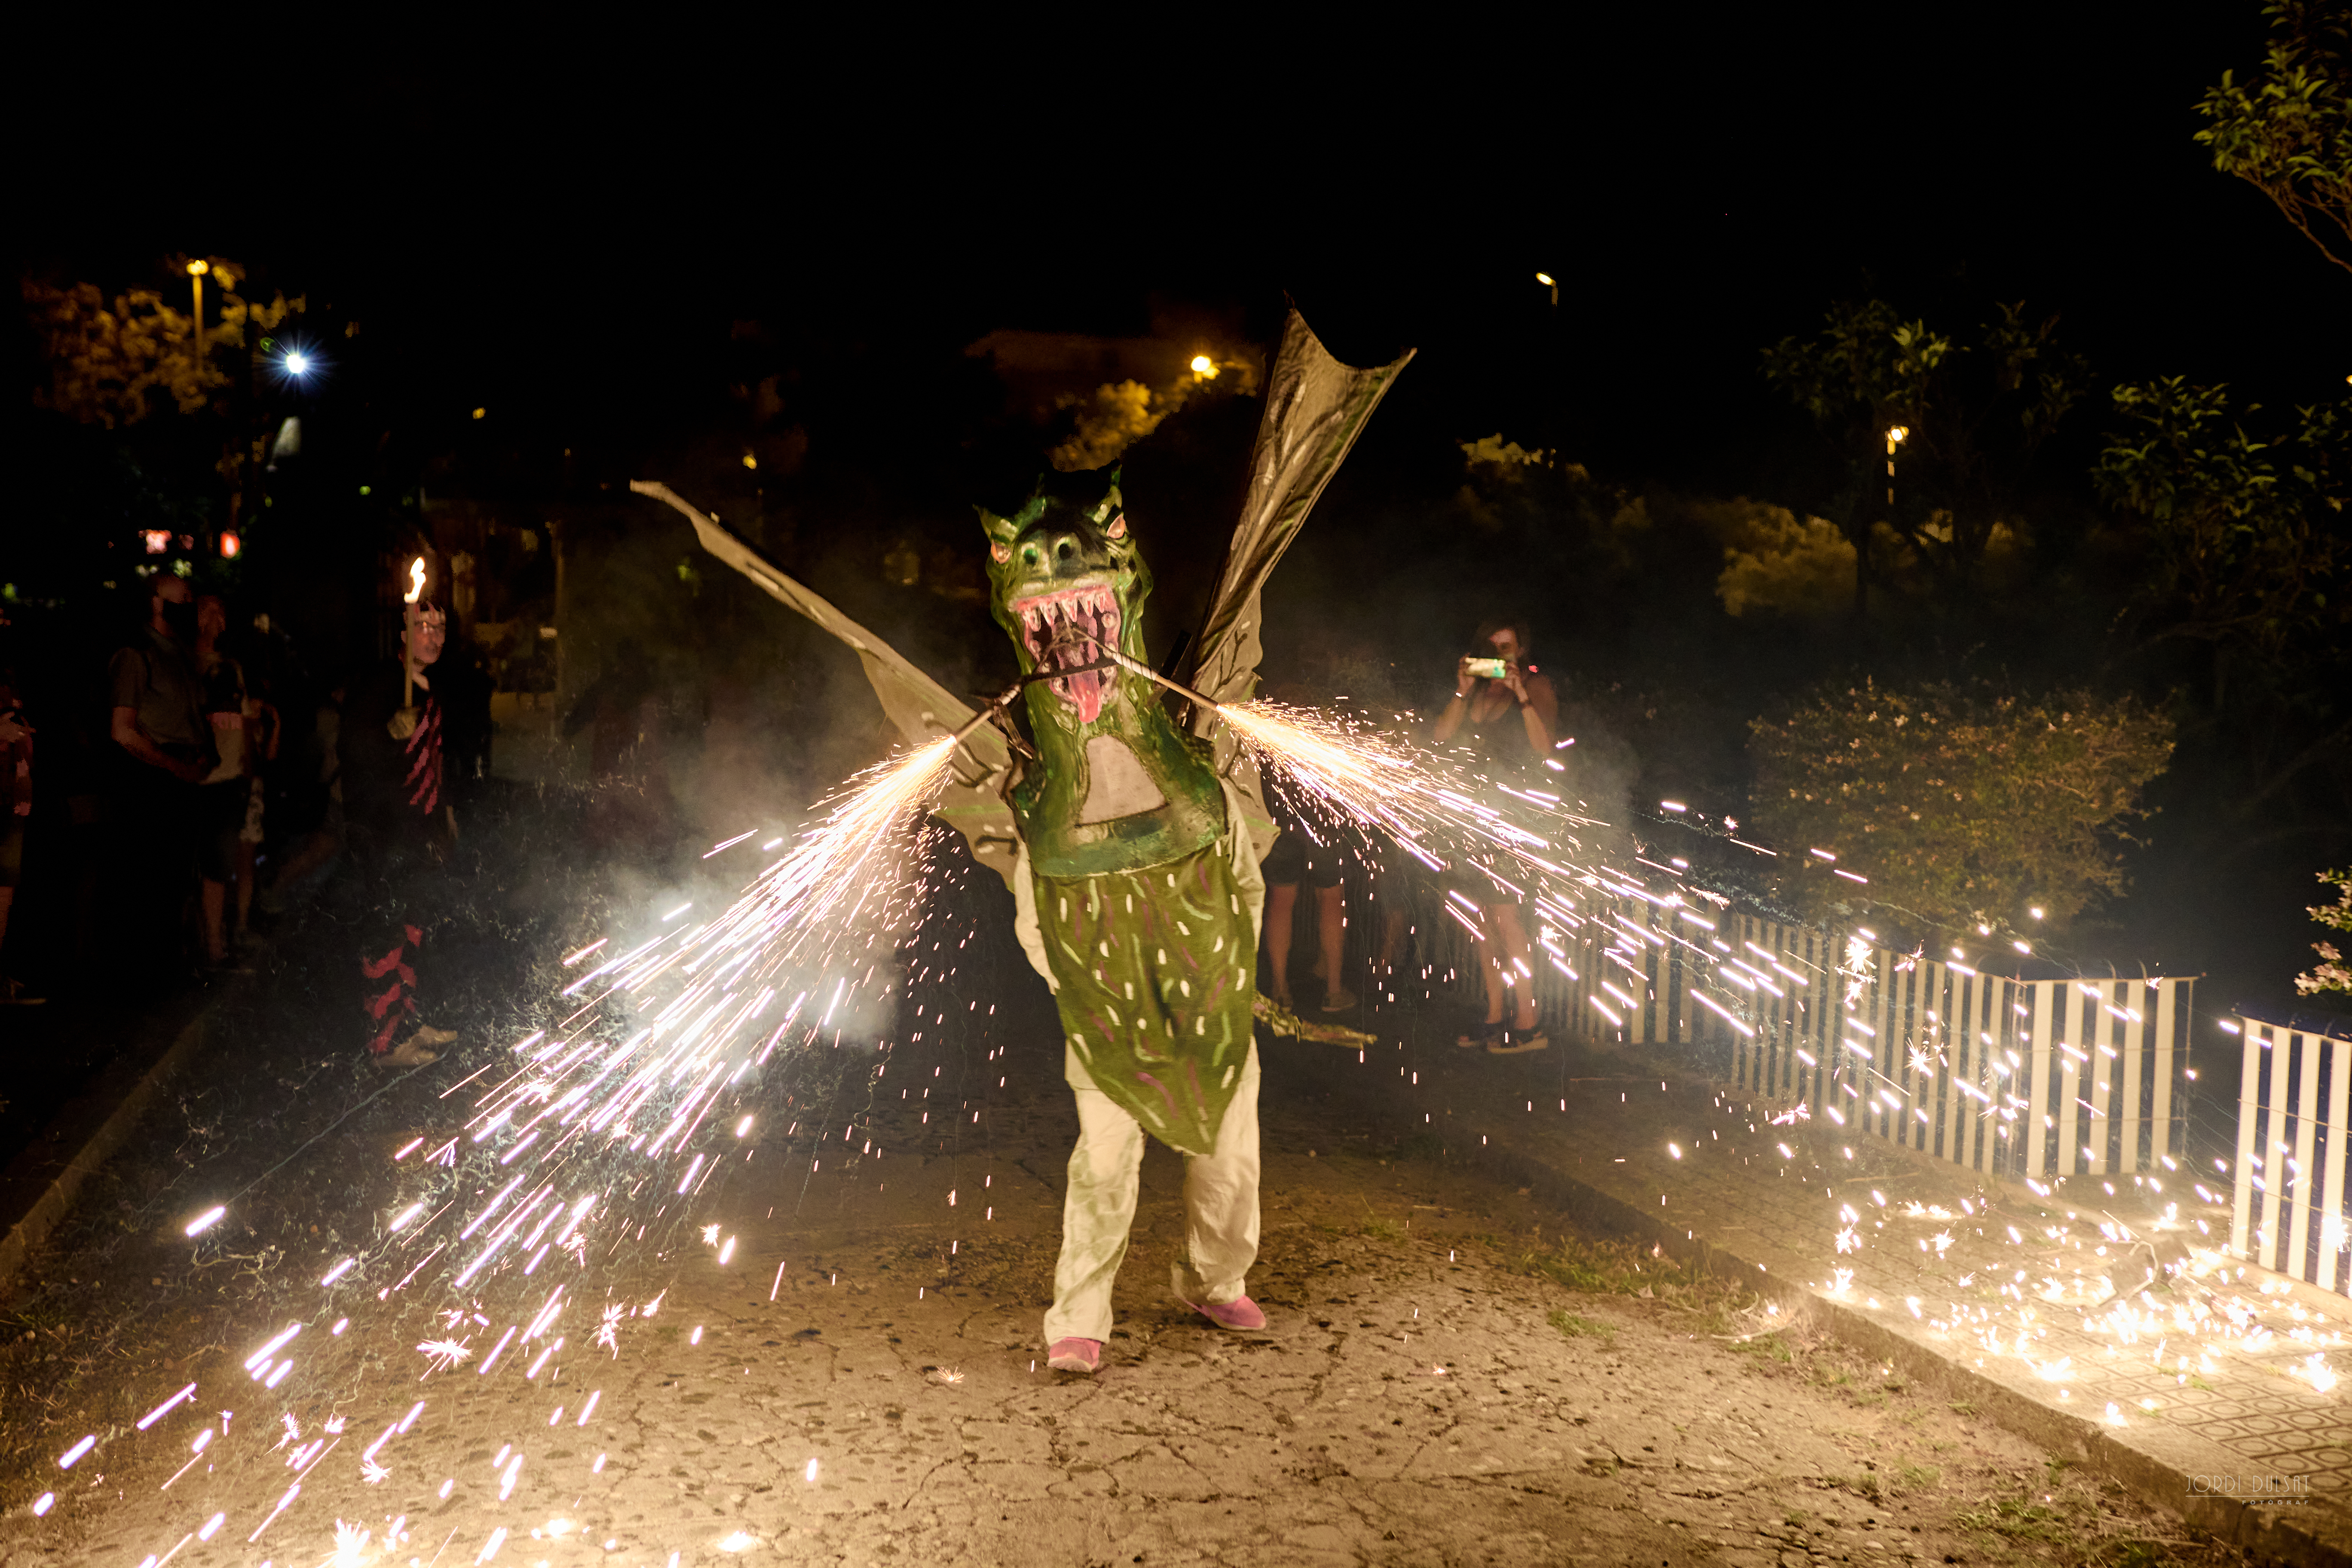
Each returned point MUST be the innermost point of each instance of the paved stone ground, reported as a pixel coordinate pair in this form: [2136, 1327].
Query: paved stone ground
[1448, 1378]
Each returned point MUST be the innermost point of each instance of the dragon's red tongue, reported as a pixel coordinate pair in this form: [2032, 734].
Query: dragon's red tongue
[1085, 691]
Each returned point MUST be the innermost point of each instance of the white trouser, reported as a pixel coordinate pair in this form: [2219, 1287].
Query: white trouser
[1220, 1207]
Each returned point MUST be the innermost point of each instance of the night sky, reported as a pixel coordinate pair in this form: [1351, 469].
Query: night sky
[569, 238]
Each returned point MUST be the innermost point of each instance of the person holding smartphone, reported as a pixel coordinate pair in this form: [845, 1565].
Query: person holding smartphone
[1504, 711]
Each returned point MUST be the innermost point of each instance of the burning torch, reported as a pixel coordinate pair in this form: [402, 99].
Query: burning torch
[404, 723]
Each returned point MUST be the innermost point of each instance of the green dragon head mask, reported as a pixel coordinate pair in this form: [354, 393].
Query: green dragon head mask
[1117, 786]
[1063, 572]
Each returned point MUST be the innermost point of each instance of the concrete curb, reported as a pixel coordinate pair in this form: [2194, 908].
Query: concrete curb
[40, 1185]
[2175, 1470]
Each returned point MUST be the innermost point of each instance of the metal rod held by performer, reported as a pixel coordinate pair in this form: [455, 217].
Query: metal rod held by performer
[1145, 670]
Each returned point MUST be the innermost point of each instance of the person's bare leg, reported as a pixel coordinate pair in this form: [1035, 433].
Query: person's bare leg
[216, 898]
[1395, 916]
[1515, 947]
[1331, 929]
[1280, 899]
[1490, 971]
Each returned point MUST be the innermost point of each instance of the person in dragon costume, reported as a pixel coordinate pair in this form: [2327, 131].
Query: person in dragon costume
[1137, 897]
[1132, 843]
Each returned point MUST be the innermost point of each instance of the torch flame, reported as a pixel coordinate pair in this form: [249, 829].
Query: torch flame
[416, 581]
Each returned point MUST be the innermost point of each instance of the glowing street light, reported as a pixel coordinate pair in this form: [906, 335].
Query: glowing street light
[1204, 367]
[297, 364]
[196, 270]
[1548, 281]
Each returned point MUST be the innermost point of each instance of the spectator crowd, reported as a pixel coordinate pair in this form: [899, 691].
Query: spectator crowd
[174, 783]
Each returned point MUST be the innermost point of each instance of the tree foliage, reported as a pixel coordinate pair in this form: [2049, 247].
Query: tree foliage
[1963, 805]
[111, 361]
[1976, 411]
[2246, 533]
[2288, 130]
[2330, 974]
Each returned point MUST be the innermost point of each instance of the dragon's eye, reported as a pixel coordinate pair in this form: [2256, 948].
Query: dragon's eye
[999, 554]
[1118, 529]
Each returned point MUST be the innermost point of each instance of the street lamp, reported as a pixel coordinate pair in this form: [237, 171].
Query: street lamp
[1548, 281]
[297, 364]
[1204, 367]
[196, 270]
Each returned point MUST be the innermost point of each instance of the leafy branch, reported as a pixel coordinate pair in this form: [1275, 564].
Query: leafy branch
[2288, 131]
[2239, 550]
[2330, 974]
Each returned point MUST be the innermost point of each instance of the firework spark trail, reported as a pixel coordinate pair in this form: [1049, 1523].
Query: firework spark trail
[850, 874]
[1354, 779]
[1347, 773]
[703, 991]
[1351, 777]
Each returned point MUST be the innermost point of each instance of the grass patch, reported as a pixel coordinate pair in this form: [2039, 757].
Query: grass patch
[1576, 1328]
[1920, 1475]
[1383, 1229]
[1623, 1269]
[1771, 1347]
[2013, 1519]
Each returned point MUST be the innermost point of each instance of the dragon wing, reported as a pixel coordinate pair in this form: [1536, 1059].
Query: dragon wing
[921, 707]
[1314, 409]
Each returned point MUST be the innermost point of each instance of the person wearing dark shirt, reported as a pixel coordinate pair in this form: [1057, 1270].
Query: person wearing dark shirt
[158, 723]
[1507, 723]
[225, 800]
[400, 828]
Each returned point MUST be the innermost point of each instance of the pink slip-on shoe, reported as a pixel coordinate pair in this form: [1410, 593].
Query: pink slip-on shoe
[1241, 1312]
[1075, 1356]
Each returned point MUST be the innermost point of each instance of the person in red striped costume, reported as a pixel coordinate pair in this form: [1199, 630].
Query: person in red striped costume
[401, 832]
